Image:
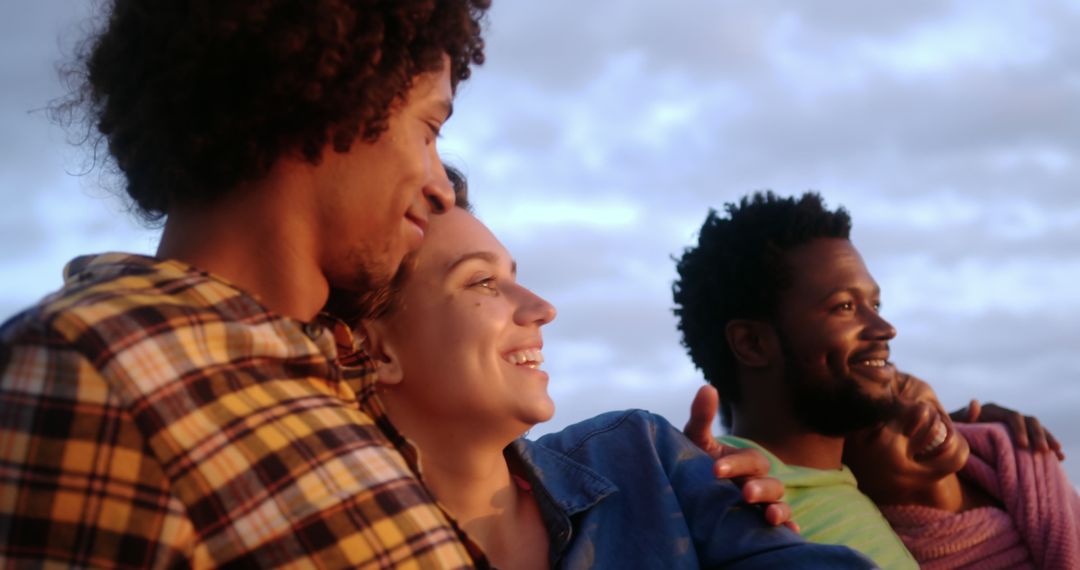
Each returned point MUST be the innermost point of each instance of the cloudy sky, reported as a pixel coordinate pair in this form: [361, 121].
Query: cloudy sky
[599, 133]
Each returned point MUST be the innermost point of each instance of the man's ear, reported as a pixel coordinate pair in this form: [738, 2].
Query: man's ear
[752, 342]
[383, 356]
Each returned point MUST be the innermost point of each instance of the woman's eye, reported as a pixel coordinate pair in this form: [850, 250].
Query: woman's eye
[487, 283]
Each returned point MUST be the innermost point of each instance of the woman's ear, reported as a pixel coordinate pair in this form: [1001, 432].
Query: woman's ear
[383, 356]
[752, 342]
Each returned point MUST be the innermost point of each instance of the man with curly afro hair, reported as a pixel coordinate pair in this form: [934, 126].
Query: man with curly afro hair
[778, 310]
[189, 409]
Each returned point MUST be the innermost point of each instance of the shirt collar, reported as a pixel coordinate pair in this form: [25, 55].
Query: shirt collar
[795, 475]
[573, 486]
[359, 372]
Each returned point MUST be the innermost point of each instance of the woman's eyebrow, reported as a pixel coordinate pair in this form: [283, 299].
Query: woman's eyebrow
[482, 255]
[487, 256]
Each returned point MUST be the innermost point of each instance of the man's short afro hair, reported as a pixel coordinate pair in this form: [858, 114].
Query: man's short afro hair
[737, 271]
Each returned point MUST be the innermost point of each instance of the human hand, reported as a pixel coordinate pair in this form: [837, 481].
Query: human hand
[747, 468]
[1027, 431]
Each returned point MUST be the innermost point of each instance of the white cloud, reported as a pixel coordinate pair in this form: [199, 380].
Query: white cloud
[599, 133]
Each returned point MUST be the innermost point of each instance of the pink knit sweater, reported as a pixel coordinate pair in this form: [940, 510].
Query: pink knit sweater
[1039, 528]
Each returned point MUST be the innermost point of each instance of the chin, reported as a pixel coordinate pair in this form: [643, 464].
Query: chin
[546, 412]
[956, 458]
[875, 390]
[539, 413]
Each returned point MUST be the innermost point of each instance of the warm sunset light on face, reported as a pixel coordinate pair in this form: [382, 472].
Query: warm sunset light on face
[594, 145]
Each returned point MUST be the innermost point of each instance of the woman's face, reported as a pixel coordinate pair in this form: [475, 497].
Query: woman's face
[915, 448]
[466, 335]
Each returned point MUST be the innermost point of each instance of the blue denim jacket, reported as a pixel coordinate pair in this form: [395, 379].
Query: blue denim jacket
[627, 490]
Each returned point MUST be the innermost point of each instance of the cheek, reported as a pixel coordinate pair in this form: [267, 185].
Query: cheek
[841, 340]
[954, 459]
[838, 346]
[464, 331]
[829, 345]
[415, 158]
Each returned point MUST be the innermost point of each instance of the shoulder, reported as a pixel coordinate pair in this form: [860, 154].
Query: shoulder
[121, 318]
[107, 299]
[616, 437]
[741, 443]
[607, 426]
[990, 433]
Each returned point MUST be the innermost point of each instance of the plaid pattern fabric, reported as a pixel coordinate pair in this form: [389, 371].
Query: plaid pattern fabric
[154, 416]
[360, 374]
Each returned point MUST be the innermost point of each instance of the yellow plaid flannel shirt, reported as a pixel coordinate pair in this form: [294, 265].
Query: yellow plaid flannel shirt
[153, 415]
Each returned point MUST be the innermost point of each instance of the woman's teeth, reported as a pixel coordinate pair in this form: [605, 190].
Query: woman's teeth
[940, 432]
[531, 358]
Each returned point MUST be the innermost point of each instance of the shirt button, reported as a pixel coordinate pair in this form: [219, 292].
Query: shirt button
[313, 330]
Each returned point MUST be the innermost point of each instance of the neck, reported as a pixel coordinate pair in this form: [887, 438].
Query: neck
[470, 476]
[795, 446]
[764, 416]
[473, 481]
[259, 240]
[946, 494]
[950, 493]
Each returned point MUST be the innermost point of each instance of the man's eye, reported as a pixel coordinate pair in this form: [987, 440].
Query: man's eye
[435, 131]
[844, 307]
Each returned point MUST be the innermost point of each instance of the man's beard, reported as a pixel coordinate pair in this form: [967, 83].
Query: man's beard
[833, 406]
[367, 297]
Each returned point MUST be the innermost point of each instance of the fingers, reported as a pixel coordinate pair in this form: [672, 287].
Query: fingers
[967, 414]
[1014, 420]
[793, 526]
[1055, 446]
[1041, 439]
[1027, 431]
[1016, 424]
[749, 468]
[1036, 435]
[777, 514]
[733, 463]
[763, 490]
[702, 415]
[974, 411]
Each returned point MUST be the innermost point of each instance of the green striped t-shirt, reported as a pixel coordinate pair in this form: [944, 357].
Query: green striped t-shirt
[830, 509]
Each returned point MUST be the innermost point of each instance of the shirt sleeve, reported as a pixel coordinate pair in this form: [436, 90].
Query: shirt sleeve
[727, 532]
[78, 487]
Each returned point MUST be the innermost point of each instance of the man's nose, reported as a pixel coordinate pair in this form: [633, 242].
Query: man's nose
[439, 192]
[878, 328]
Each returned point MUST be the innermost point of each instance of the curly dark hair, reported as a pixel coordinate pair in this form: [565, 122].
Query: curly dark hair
[195, 97]
[737, 271]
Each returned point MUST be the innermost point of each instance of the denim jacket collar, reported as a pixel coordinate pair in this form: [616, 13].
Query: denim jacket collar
[562, 488]
[573, 486]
